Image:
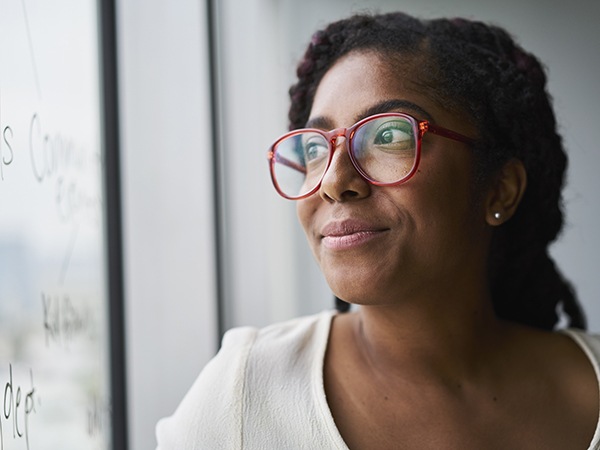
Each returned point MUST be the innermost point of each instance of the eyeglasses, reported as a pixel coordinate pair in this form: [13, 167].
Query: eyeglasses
[385, 149]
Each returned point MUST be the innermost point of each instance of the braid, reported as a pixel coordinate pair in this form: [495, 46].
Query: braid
[509, 100]
[480, 70]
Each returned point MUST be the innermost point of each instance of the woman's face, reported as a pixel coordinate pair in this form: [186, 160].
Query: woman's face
[377, 245]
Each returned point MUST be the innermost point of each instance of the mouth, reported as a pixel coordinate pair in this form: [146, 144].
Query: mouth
[349, 234]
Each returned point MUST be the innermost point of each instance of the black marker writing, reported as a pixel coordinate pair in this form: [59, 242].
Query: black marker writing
[5, 131]
[54, 154]
[29, 407]
[74, 201]
[98, 412]
[34, 120]
[5, 138]
[10, 408]
[63, 321]
[34, 65]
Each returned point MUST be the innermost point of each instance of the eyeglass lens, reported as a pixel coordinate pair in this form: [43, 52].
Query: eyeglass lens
[384, 148]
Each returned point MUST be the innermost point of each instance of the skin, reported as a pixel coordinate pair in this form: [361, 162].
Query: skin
[424, 363]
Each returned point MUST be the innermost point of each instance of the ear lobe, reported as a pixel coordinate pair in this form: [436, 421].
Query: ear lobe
[506, 194]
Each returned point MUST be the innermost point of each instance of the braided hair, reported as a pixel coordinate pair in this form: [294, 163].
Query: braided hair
[472, 67]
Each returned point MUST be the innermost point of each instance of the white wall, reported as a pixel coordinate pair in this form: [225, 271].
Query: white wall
[167, 200]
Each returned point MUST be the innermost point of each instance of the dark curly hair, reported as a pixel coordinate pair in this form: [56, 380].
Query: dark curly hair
[477, 69]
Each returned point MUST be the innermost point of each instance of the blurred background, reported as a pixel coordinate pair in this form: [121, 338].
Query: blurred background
[207, 249]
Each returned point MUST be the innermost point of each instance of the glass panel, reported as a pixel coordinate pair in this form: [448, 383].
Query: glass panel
[54, 330]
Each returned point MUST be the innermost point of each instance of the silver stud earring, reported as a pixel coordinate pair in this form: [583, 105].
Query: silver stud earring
[497, 215]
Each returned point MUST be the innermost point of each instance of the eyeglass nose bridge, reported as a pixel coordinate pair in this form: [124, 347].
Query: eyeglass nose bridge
[334, 135]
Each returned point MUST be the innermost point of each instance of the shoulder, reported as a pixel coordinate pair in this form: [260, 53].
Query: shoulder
[209, 412]
[292, 339]
[581, 357]
[250, 361]
[577, 368]
[570, 359]
[590, 346]
[588, 343]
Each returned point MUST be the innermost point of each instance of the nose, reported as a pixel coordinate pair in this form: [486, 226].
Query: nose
[342, 182]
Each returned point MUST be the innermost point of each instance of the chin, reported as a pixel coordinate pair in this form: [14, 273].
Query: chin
[358, 287]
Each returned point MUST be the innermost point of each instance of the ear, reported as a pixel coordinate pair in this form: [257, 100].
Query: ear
[506, 193]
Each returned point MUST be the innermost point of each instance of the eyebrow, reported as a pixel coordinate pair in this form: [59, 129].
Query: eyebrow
[325, 123]
[395, 104]
[320, 122]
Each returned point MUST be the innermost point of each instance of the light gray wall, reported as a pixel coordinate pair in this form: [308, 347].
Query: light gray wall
[167, 199]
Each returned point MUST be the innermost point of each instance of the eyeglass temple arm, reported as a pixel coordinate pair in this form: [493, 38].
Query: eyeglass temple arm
[287, 162]
[441, 131]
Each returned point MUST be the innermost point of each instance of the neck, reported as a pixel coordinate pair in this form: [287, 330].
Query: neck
[448, 338]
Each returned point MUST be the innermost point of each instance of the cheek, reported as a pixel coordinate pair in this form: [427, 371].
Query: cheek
[439, 197]
[305, 209]
[447, 178]
[447, 204]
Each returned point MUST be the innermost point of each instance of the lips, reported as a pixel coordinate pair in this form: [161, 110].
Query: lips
[349, 234]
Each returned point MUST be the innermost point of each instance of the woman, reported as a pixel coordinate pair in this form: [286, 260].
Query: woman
[427, 171]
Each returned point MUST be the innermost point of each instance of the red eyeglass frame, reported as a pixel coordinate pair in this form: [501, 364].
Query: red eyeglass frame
[420, 127]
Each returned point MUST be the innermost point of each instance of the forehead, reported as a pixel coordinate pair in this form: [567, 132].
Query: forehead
[358, 81]
[361, 80]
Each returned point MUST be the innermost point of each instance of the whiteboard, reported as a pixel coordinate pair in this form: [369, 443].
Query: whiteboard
[54, 339]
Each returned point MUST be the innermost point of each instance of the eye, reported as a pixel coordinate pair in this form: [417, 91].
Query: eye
[315, 147]
[387, 137]
[394, 135]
